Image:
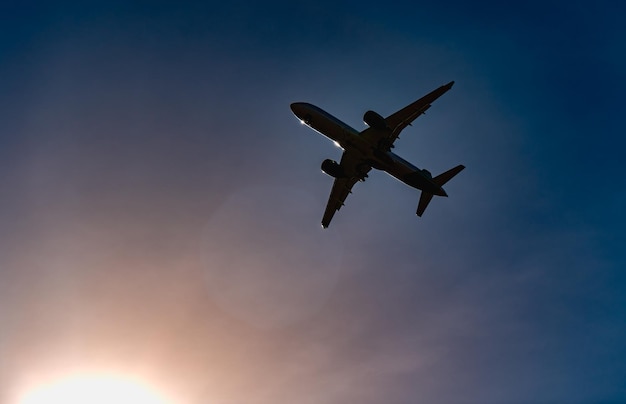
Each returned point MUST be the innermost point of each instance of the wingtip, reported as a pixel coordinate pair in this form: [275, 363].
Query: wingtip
[450, 84]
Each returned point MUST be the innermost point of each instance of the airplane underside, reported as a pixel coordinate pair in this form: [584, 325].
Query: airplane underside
[371, 148]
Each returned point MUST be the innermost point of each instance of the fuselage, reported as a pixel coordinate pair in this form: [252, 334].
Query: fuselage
[349, 138]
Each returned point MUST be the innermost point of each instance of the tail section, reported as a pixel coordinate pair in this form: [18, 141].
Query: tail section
[423, 203]
[440, 180]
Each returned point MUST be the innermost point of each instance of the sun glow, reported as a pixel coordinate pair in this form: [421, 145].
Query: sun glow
[93, 390]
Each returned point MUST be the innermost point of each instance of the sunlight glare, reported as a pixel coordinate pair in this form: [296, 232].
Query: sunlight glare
[93, 390]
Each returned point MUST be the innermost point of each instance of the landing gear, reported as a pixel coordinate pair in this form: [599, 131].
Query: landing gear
[384, 144]
[362, 170]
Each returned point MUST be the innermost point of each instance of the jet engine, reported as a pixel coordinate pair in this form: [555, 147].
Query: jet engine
[373, 120]
[427, 173]
[330, 167]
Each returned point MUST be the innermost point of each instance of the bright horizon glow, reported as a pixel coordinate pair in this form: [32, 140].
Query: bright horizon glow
[93, 389]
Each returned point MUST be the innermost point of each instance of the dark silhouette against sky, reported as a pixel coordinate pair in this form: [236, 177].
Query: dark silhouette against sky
[160, 203]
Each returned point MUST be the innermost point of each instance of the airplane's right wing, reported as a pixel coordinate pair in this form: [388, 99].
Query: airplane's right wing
[355, 170]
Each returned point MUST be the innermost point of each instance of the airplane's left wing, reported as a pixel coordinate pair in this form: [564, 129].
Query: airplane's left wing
[403, 118]
[399, 120]
[355, 170]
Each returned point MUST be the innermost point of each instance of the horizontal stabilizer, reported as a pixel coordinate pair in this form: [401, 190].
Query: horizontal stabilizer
[423, 203]
[441, 179]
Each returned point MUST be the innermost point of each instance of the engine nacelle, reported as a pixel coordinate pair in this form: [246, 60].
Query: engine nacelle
[427, 173]
[373, 120]
[332, 168]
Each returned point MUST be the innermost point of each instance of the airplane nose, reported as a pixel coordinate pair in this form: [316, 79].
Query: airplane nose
[303, 111]
[296, 108]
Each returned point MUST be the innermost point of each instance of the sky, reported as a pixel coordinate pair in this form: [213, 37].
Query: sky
[161, 205]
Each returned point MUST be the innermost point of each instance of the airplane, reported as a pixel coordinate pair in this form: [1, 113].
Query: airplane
[371, 148]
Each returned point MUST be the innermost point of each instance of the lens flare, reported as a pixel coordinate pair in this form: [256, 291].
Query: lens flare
[94, 390]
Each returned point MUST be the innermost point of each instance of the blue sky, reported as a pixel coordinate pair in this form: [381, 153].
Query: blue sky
[161, 204]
